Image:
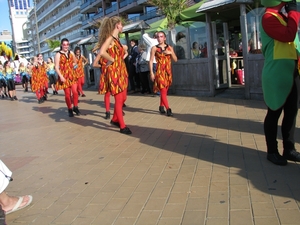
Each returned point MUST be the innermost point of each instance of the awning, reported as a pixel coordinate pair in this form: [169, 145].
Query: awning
[215, 4]
[190, 13]
[136, 26]
[158, 25]
[88, 40]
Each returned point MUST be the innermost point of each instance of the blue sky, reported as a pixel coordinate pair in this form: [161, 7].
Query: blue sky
[4, 18]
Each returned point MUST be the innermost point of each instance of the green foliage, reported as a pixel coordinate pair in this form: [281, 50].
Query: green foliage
[89, 48]
[171, 9]
[52, 44]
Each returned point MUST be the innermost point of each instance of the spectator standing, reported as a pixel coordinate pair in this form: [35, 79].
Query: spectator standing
[143, 69]
[279, 76]
[181, 46]
[134, 79]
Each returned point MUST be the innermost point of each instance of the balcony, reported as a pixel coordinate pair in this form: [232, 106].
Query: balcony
[45, 48]
[68, 25]
[74, 38]
[49, 10]
[147, 16]
[125, 3]
[111, 9]
[130, 6]
[65, 11]
[89, 6]
[87, 23]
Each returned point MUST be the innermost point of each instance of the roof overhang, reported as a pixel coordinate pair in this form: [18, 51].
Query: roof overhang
[88, 40]
[215, 5]
[136, 26]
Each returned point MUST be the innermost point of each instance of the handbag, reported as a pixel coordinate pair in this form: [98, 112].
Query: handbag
[144, 66]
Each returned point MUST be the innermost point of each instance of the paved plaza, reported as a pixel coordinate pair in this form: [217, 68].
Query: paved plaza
[206, 165]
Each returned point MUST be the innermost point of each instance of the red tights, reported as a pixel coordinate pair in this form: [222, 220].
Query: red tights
[71, 95]
[40, 93]
[107, 101]
[118, 112]
[80, 83]
[163, 97]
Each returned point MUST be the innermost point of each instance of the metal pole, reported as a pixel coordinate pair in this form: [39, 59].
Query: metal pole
[37, 28]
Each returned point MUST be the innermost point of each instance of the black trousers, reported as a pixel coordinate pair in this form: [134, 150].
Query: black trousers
[144, 78]
[134, 78]
[290, 109]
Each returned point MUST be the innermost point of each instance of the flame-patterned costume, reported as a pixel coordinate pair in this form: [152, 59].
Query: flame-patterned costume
[103, 83]
[79, 72]
[67, 70]
[37, 78]
[163, 76]
[117, 74]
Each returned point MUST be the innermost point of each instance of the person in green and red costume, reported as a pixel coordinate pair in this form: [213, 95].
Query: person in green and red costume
[280, 47]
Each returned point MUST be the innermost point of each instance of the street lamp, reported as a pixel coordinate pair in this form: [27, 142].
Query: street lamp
[37, 28]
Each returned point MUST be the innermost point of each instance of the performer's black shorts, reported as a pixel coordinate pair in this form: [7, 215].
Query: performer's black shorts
[24, 79]
[52, 79]
[11, 85]
[2, 83]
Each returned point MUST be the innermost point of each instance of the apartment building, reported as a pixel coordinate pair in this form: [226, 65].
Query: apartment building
[54, 20]
[19, 11]
[74, 19]
[132, 10]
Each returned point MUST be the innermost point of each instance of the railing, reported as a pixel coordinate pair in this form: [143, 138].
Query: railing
[87, 4]
[58, 16]
[45, 48]
[111, 9]
[79, 35]
[49, 10]
[147, 16]
[63, 27]
[125, 3]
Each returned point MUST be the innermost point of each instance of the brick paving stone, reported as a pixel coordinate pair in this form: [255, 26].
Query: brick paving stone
[206, 165]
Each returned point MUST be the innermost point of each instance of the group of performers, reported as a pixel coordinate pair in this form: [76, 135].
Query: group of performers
[38, 74]
[68, 67]
[114, 76]
[7, 81]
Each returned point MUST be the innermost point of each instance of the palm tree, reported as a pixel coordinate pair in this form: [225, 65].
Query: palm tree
[52, 44]
[171, 9]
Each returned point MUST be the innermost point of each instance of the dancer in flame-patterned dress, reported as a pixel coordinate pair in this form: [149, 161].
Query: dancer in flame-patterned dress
[100, 62]
[163, 54]
[81, 62]
[114, 52]
[65, 64]
[43, 68]
[37, 80]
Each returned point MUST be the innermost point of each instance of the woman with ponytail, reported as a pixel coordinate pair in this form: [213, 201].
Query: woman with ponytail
[112, 52]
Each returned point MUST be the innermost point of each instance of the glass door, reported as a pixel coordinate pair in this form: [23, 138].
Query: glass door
[222, 69]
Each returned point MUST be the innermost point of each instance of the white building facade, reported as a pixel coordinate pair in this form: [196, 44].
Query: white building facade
[19, 11]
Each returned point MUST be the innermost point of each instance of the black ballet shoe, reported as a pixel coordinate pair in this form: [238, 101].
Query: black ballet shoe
[70, 111]
[117, 124]
[76, 110]
[107, 115]
[169, 112]
[162, 110]
[125, 130]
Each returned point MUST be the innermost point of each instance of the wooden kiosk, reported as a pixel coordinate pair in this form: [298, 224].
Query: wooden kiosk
[232, 22]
